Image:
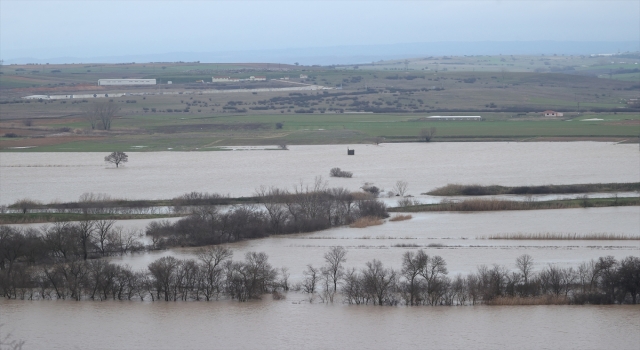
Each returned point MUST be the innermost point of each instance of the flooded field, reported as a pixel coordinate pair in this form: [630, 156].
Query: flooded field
[295, 324]
[155, 175]
[457, 237]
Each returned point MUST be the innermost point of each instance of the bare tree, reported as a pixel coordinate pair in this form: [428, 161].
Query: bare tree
[85, 230]
[525, 264]
[335, 257]
[427, 134]
[103, 233]
[8, 342]
[117, 158]
[312, 275]
[379, 282]
[26, 204]
[412, 267]
[100, 114]
[401, 187]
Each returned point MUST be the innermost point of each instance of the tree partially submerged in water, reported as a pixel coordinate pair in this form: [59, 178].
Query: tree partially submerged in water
[117, 158]
[34, 266]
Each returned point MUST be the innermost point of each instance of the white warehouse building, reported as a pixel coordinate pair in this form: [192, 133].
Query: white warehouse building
[126, 82]
[455, 117]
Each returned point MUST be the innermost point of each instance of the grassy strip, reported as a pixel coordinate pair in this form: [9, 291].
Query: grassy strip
[32, 218]
[562, 236]
[495, 204]
[366, 222]
[400, 217]
[478, 190]
[125, 203]
[541, 300]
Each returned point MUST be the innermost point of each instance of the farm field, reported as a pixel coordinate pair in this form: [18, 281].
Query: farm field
[382, 102]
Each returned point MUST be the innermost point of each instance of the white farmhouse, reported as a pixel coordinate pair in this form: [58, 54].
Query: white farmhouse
[552, 114]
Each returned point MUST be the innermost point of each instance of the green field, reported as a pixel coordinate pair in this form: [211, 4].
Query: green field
[381, 102]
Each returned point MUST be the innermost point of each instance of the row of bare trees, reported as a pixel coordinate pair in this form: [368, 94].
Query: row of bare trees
[65, 241]
[305, 209]
[422, 280]
[101, 114]
[214, 273]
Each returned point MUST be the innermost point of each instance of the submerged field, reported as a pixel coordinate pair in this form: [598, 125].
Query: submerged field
[164, 175]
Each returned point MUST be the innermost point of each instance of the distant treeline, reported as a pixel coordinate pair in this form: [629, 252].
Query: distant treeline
[98, 203]
[281, 212]
[479, 190]
[482, 204]
[422, 280]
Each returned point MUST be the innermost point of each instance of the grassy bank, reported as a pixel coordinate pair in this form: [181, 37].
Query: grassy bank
[540, 300]
[495, 205]
[478, 190]
[562, 236]
[33, 218]
[203, 199]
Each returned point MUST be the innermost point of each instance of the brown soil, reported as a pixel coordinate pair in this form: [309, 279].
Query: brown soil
[21, 131]
[43, 141]
[74, 88]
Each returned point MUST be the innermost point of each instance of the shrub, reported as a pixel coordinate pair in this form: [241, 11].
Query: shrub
[336, 172]
[371, 189]
[400, 217]
[11, 135]
[366, 222]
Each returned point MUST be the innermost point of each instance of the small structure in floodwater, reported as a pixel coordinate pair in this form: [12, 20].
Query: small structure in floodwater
[351, 152]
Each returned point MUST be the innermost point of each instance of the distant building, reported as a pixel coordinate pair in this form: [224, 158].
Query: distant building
[231, 79]
[225, 79]
[552, 114]
[304, 76]
[455, 117]
[126, 82]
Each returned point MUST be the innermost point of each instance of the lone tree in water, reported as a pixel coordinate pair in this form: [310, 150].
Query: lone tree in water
[117, 158]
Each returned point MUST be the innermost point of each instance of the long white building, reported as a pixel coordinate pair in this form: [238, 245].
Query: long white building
[455, 117]
[126, 82]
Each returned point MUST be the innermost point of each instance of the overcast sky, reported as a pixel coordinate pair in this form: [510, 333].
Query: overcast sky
[44, 29]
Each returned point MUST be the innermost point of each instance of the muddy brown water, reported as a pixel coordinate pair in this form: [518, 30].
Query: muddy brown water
[294, 323]
[155, 175]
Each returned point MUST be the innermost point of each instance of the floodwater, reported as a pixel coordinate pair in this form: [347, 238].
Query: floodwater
[157, 175]
[457, 237]
[295, 324]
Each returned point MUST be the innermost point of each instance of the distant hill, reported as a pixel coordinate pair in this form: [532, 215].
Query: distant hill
[358, 53]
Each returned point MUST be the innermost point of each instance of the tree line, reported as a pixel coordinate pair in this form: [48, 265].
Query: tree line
[422, 280]
[304, 209]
